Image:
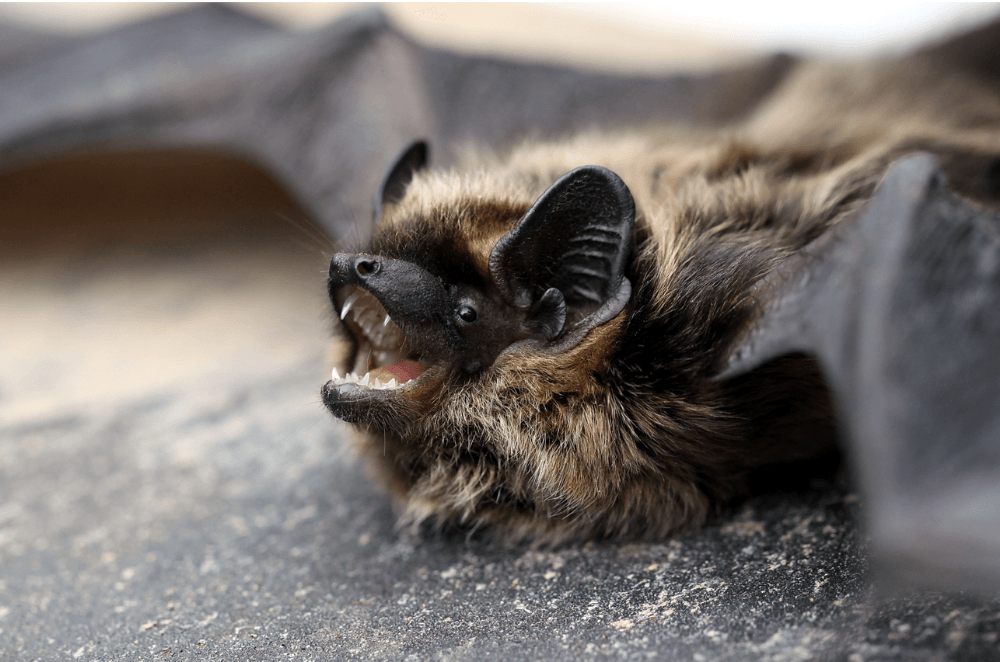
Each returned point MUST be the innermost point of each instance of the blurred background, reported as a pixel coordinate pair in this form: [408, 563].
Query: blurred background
[128, 275]
[650, 36]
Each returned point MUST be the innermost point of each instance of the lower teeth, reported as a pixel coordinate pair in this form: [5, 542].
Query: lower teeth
[366, 380]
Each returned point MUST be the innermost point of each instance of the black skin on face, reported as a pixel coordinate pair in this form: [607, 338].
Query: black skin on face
[454, 323]
[487, 324]
[563, 261]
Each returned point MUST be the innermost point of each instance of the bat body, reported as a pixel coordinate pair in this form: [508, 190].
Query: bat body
[535, 340]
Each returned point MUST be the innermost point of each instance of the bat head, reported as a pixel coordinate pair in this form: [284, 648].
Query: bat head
[433, 296]
[471, 315]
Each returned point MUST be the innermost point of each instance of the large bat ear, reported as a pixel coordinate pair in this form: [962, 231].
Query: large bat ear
[575, 239]
[413, 159]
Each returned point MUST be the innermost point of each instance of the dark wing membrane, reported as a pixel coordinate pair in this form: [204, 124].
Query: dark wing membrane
[902, 308]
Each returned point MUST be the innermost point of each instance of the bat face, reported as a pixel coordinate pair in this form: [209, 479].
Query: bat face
[556, 274]
[430, 300]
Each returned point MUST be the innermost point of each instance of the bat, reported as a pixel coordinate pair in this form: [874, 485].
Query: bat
[537, 341]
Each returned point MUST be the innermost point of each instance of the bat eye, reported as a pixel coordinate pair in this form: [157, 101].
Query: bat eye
[467, 314]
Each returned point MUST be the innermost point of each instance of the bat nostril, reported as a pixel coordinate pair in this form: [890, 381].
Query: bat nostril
[365, 266]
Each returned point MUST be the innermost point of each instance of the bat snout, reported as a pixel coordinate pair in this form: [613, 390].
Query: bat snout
[348, 269]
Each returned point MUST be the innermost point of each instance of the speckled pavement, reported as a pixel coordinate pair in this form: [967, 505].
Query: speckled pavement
[230, 523]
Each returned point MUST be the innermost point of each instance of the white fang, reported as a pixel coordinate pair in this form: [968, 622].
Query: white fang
[347, 304]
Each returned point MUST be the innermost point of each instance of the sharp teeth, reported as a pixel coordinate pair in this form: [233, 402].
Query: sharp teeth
[347, 304]
[367, 381]
[385, 322]
[384, 385]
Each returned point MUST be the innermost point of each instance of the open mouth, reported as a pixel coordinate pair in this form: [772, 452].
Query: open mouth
[383, 360]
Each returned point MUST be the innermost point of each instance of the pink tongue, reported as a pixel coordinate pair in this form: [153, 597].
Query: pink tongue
[404, 371]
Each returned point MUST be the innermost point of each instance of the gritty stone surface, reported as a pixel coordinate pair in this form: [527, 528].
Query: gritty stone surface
[230, 522]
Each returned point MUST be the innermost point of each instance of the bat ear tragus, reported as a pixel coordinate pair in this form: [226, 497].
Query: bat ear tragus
[412, 160]
[575, 240]
[548, 315]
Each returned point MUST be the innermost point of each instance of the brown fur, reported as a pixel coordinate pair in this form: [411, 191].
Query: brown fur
[627, 434]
